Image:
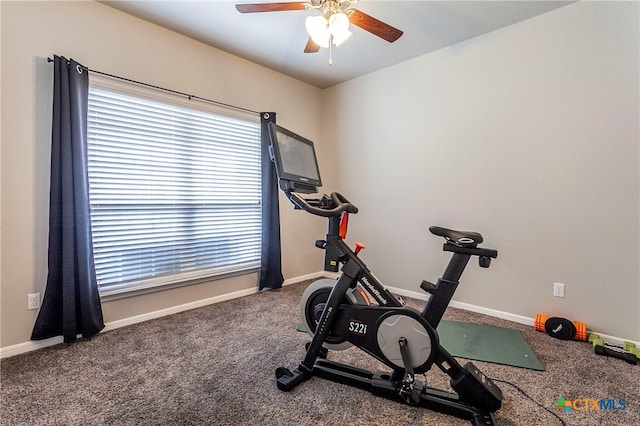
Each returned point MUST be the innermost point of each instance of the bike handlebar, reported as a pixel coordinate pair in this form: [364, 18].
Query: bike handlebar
[340, 202]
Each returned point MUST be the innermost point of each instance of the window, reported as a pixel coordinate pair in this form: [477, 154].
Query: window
[174, 188]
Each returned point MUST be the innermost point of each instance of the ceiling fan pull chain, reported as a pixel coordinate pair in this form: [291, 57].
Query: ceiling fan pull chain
[330, 43]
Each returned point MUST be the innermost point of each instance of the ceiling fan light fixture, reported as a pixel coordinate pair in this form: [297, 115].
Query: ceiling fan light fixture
[338, 22]
[318, 29]
[339, 28]
[333, 30]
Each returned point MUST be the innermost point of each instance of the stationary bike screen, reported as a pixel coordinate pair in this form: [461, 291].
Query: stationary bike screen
[295, 160]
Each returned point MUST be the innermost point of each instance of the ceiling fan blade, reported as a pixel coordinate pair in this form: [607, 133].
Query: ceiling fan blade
[311, 46]
[373, 25]
[271, 7]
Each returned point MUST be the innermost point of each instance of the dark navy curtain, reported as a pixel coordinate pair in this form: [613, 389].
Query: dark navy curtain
[71, 304]
[271, 257]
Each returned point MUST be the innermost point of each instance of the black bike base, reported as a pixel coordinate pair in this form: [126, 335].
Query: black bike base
[382, 384]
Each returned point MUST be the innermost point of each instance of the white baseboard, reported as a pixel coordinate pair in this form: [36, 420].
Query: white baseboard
[498, 314]
[176, 309]
[39, 344]
[33, 345]
[112, 325]
[467, 307]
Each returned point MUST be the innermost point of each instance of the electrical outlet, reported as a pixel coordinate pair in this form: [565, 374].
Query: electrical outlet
[558, 289]
[33, 301]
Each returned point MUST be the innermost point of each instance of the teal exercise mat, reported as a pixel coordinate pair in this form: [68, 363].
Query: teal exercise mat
[487, 343]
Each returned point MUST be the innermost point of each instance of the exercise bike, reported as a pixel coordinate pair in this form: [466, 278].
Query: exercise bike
[356, 309]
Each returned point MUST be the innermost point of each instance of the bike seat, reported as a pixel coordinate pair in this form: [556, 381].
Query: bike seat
[458, 238]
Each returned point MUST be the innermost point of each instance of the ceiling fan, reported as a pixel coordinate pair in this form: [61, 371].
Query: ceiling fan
[331, 27]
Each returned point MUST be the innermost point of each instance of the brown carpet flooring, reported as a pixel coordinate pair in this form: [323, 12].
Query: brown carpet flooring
[215, 366]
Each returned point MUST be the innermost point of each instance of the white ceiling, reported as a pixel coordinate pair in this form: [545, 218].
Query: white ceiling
[277, 39]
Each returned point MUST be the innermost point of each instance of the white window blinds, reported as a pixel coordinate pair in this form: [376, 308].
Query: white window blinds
[174, 191]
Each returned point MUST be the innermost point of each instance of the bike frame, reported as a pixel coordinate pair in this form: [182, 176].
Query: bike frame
[469, 383]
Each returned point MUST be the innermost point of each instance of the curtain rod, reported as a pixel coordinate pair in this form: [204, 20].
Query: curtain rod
[175, 92]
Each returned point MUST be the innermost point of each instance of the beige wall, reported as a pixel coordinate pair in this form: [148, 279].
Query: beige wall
[529, 135]
[110, 41]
